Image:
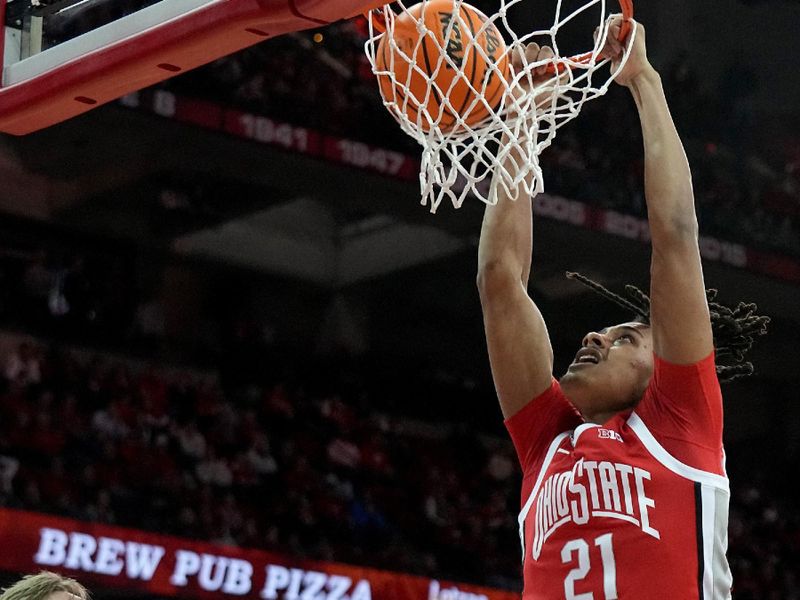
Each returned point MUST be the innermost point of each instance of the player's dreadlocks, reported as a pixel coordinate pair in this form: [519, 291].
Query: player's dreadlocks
[734, 329]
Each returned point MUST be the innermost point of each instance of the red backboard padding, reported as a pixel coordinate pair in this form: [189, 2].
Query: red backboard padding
[160, 53]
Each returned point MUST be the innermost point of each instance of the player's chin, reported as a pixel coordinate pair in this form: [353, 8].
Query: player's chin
[585, 374]
[582, 369]
[575, 374]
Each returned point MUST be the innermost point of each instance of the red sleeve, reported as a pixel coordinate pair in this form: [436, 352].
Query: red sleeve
[683, 408]
[534, 427]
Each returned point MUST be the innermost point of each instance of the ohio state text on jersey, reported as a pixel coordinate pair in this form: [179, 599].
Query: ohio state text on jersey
[634, 509]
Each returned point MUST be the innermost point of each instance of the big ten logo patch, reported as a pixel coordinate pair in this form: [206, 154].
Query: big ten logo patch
[607, 434]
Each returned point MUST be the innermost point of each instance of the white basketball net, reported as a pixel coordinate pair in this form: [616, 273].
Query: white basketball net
[461, 160]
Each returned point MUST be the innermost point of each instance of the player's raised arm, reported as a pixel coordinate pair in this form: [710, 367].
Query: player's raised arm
[678, 310]
[519, 346]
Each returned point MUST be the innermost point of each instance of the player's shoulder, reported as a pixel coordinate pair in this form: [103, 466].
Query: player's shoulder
[695, 382]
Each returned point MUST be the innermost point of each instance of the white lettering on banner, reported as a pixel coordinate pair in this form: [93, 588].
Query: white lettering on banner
[79, 555]
[52, 547]
[268, 131]
[362, 591]
[339, 584]
[560, 209]
[277, 579]
[82, 552]
[361, 155]
[239, 580]
[214, 573]
[297, 584]
[142, 560]
[452, 593]
[108, 560]
[710, 248]
[186, 563]
[714, 249]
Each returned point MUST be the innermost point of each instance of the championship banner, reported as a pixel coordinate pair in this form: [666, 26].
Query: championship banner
[286, 136]
[153, 564]
[294, 138]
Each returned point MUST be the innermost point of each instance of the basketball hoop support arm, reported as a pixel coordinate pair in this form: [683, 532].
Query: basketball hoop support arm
[76, 84]
[2, 36]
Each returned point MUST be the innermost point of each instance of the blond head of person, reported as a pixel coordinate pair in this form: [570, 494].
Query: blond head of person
[45, 586]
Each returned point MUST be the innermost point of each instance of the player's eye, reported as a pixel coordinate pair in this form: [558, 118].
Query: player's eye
[625, 336]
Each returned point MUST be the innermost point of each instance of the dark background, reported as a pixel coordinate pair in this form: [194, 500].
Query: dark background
[266, 268]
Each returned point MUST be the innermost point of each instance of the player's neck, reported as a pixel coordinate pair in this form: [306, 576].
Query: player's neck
[599, 418]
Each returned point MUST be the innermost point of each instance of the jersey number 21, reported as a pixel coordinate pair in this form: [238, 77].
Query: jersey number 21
[580, 548]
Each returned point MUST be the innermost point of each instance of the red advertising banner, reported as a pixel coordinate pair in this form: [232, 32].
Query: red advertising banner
[156, 564]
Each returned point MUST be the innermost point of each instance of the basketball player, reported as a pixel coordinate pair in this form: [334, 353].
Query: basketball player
[624, 487]
[45, 586]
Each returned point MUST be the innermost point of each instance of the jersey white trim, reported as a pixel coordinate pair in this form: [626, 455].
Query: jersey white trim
[551, 452]
[709, 521]
[580, 429]
[717, 576]
[672, 463]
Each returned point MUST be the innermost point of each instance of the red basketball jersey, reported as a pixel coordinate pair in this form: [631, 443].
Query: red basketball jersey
[635, 509]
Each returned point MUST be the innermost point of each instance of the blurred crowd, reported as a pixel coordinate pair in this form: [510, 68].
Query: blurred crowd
[299, 467]
[747, 177]
[764, 538]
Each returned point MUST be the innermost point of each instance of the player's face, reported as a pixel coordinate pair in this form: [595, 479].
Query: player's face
[611, 370]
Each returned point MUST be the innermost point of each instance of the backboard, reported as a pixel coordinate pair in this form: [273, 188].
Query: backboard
[61, 58]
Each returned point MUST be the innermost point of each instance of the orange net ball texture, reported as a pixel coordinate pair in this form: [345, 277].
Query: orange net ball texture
[422, 81]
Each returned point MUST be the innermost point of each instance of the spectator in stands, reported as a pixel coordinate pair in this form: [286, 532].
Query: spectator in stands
[191, 442]
[214, 470]
[38, 281]
[22, 367]
[108, 423]
[150, 323]
[260, 457]
[45, 586]
[8, 469]
[321, 474]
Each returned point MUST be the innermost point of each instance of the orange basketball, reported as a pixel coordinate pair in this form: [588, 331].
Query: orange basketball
[454, 89]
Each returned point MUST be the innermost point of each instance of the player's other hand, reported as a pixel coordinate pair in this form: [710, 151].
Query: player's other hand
[637, 64]
[543, 75]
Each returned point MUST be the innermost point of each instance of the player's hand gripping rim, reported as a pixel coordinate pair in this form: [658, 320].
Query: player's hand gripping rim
[616, 46]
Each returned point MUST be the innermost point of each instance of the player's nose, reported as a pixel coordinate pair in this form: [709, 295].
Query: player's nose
[595, 339]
